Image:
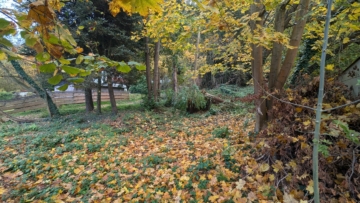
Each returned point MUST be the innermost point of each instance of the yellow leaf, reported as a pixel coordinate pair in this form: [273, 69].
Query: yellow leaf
[214, 198]
[264, 167]
[240, 184]
[330, 67]
[135, 6]
[346, 40]
[298, 109]
[2, 55]
[288, 198]
[2, 190]
[112, 182]
[310, 187]
[307, 122]
[77, 171]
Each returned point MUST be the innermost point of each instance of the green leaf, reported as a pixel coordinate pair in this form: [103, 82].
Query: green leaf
[48, 68]
[71, 70]
[85, 73]
[3, 23]
[123, 67]
[81, 27]
[358, 82]
[30, 41]
[42, 57]
[64, 87]
[141, 67]
[64, 61]
[79, 59]
[5, 42]
[76, 80]
[54, 40]
[55, 80]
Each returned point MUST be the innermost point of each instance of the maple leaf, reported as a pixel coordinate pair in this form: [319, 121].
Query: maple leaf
[288, 198]
[135, 6]
[41, 13]
[214, 198]
[240, 184]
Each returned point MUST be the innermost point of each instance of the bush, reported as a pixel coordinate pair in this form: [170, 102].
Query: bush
[140, 87]
[5, 95]
[191, 99]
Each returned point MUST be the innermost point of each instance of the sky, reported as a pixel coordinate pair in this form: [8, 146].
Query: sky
[8, 4]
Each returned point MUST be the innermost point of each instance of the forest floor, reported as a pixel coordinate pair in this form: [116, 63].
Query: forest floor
[136, 156]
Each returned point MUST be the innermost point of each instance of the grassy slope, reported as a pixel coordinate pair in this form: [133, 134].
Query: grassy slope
[135, 156]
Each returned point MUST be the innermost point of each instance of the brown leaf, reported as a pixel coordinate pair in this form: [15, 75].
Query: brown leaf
[41, 13]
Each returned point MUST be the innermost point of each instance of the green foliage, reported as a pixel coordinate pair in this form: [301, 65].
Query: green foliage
[190, 97]
[222, 132]
[140, 87]
[4, 95]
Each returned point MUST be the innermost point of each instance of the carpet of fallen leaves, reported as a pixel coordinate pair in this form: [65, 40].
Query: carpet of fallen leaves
[136, 157]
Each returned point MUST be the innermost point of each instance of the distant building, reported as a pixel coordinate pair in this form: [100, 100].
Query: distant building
[350, 77]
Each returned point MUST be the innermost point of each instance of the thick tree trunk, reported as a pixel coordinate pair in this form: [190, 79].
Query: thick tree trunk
[98, 99]
[148, 67]
[277, 47]
[277, 50]
[53, 110]
[295, 39]
[89, 103]
[197, 80]
[257, 71]
[156, 71]
[111, 95]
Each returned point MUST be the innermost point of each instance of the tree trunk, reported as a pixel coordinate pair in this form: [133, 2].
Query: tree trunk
[98, 99]
[156, 71]
[174, 76]
[295, 39]
[14, 79]
[257, 71]
[89, 103]
[277, 50]
[111, 95]
[148, 67]
[197, 80]
[53, 110]
[277, 47]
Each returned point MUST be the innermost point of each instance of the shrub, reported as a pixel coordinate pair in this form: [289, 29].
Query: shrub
[5, 95]
[191, 99]
[140, 87]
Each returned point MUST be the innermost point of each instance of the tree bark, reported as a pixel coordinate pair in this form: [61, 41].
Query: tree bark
[277, 50]
[53, 110]
[295, 40]
[89, 103]
[98, 99]
[114, 109]
[156, 71]
[257, 71]
[277, 47]
[197, 80]
[148, 67]
[174, 74]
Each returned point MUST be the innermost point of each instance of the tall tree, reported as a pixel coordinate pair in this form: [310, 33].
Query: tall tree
[156, 79]
[53, 110]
